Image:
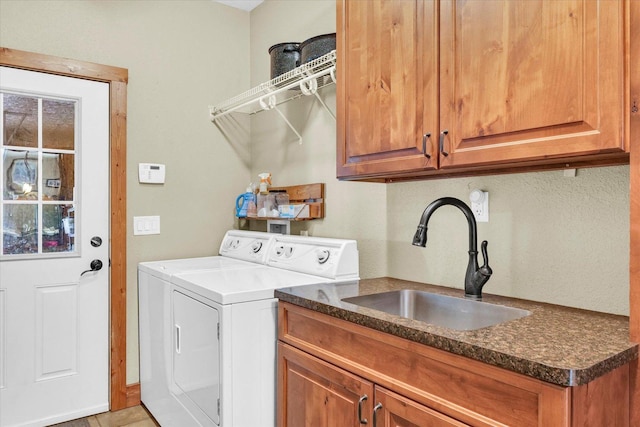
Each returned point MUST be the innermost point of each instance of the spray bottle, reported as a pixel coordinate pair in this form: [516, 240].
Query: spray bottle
[265, 182]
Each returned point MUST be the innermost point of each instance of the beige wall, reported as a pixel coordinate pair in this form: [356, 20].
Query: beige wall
[551, 238]
[182, 56]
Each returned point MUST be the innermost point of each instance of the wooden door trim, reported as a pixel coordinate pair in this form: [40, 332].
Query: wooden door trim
[117, 79]
[634, 201]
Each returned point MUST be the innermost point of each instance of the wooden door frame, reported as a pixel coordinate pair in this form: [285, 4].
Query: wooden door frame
[121, 396]
[634, 201]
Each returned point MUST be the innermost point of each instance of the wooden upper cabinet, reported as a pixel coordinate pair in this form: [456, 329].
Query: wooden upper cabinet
[529, 80]
[387, 86]
[501, 84]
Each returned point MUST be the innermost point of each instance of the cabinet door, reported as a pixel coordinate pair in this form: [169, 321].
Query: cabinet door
[531, 80]
[387, 86]
[393, 410]
[312, 392]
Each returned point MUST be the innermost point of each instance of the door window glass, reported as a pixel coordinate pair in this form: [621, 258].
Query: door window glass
[38, 175]
[20, 229]
[20, 120]
[58, 124]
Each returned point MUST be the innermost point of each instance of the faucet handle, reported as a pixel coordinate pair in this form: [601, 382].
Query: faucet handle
[485, 269]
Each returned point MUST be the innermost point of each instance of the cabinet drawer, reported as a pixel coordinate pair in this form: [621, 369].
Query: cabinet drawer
[396, 410]
[464, 389]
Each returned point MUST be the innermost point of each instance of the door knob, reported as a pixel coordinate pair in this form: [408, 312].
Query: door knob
[95, 265]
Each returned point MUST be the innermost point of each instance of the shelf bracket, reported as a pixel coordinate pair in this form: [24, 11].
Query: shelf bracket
[325, 106]
[289, 124]
[310, 86]
[269, 103]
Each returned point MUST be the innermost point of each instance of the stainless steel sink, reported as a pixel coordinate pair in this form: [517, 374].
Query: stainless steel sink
[441, 310]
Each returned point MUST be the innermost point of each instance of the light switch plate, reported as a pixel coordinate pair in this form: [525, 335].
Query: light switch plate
[143, 225]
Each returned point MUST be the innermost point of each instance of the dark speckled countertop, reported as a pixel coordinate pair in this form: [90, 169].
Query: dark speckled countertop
[557, 344]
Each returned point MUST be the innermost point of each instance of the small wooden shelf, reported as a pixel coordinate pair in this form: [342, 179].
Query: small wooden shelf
[309, 194]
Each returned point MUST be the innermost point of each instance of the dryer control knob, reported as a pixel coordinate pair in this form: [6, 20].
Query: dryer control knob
[279, 250]
[256, 246]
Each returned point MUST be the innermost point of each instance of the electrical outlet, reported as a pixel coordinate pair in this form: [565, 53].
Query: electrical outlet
[480, 205]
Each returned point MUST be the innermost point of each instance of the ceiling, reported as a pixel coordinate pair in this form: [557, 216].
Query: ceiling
[247, 5]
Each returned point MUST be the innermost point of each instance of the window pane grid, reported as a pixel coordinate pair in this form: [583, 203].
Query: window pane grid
[38, 205]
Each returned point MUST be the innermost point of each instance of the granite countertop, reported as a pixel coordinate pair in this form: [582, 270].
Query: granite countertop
[557, 344]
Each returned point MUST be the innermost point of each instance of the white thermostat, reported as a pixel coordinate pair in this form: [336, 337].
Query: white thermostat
[150, 173]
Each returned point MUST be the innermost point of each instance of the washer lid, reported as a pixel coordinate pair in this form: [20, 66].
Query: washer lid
[168, 268]
[230, 286]
[238, 249]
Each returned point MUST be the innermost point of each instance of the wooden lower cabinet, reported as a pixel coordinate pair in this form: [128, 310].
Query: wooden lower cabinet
[317, 393]
[334, 373]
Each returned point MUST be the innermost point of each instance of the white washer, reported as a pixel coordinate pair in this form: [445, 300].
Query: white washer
[219, 349]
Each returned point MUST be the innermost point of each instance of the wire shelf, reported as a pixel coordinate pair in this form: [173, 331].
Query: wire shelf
[303, 80]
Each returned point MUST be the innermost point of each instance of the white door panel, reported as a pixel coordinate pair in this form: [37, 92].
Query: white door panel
[54, 330]
[56, 352]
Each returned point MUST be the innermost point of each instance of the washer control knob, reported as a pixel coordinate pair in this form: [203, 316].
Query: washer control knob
[232, 243]
[256, 246]
[288, 251]
[323, 255]
[279, 250]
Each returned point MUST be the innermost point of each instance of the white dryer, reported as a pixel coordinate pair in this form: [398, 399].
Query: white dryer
[223, 331]
[239, 249]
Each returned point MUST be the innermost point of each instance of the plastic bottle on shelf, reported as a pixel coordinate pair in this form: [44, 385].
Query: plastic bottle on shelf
[265, 182]
[244, 202]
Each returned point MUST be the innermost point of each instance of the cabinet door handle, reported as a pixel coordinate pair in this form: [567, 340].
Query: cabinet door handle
[425, 137]
[360, 402]
[442, 135]
[375, 413]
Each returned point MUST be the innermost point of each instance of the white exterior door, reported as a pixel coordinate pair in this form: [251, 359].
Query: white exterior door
[54, 211]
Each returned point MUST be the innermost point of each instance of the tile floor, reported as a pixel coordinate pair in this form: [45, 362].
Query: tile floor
[136, 416]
